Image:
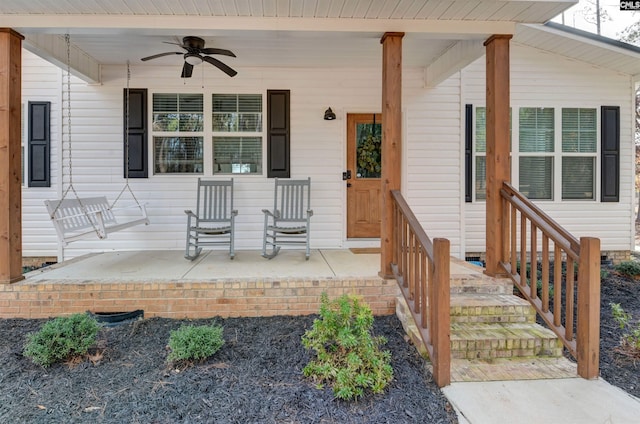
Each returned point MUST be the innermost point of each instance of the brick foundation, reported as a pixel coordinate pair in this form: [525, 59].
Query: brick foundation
[192, 299]
[615, 256]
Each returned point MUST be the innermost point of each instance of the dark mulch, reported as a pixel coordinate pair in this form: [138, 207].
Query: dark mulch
[615, 367]
[255, 378]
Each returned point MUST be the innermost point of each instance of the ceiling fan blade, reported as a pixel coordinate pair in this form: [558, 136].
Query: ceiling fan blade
[155, 56]
[213, 50]
[187, 70]
[224, 68]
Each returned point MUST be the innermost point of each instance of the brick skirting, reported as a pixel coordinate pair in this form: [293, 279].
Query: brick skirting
[189, 299]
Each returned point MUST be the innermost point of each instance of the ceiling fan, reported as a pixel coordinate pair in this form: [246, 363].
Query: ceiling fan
[195, 54]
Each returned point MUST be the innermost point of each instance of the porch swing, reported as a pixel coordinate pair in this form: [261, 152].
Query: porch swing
[76, 218]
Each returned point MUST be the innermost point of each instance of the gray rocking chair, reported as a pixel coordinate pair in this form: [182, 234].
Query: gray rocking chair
[213, 222]
[290, 218]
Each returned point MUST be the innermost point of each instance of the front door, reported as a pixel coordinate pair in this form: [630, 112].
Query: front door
[364, 166]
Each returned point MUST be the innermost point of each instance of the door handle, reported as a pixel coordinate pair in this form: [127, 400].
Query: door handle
[348, 185]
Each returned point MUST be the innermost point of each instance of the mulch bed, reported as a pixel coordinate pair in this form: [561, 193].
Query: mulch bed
[255, 378]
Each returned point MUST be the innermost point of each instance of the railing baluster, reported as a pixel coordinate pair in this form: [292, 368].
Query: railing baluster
[557, 286]
[514, 240]
[523, 251]
[545, 273]
[534, 262]
[569, 295]
[424, 278]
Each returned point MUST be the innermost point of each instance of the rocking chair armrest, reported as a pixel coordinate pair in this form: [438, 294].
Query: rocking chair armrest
[275, 214]
[309, 212]
[190, 213]
[234, 212]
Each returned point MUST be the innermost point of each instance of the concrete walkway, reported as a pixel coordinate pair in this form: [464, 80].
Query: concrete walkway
[557, 401]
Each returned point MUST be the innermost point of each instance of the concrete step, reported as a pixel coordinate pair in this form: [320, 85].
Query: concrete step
[503, 340]
[491, 308]
[469, 278]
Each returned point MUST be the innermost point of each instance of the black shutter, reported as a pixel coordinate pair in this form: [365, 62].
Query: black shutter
[610, 148]
[468, 144]
[39, 144]
[137, 155]
[278, 143]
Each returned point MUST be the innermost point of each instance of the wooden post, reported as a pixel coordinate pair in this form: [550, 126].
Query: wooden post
[497, 103]
[10, 163]
[588, 332]
[441, 297]
[391, 141]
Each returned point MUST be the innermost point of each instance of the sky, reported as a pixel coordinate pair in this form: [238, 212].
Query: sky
[620, 20]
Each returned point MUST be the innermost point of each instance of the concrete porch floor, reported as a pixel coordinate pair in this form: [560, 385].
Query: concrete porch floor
[211, 265]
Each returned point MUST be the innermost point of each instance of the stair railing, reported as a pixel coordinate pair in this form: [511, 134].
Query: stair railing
[573, 312]
[421, 269]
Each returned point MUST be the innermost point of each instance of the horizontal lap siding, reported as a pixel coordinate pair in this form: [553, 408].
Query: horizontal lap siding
[41, 83]
[432, 156]
[542, 79]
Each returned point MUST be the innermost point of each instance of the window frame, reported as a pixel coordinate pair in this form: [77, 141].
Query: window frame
[207, 133]
[557, 155]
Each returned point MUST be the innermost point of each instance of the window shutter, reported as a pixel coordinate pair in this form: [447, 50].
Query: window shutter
[39, 144]
[468, 142]
[278, 131]
[138, 149]
[610, 163]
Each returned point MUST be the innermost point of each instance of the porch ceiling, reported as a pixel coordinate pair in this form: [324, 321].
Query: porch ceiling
[305, 33]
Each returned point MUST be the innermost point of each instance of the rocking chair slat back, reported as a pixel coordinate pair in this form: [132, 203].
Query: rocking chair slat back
[292, 199]
[215, 201]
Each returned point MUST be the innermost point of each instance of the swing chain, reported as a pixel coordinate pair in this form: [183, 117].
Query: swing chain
[126, 145]
[84, 209]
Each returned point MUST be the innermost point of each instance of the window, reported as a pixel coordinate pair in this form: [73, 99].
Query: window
[579, 141]
[237, 133]
[536, 147]
[178, 133]
[548, 161]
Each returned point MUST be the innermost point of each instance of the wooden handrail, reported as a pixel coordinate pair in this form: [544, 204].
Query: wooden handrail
[581, 339]
[421, 268]
[541, 218]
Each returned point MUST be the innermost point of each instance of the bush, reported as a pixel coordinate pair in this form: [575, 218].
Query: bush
[631, 336]
[194, 343]
[348, 357]
[628, 268]
[61, 338]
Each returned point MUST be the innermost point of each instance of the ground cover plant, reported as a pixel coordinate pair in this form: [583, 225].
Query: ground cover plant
[348, 356]
[61, 338]
[191, 343]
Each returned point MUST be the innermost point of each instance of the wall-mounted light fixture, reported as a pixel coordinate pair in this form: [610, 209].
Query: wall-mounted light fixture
[329, 115]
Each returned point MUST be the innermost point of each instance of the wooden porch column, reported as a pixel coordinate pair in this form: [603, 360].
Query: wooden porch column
[10, 164]
[391, 141]
[497, 103]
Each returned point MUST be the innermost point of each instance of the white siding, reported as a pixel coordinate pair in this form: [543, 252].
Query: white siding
[41, 82]
[540, 79]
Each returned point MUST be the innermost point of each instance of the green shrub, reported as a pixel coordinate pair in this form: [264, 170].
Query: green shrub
[61, 338]
[631, 335]
[628, 268]
[194, 343]
[348, 356]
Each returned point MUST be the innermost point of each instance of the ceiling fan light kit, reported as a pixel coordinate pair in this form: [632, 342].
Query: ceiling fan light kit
[195, 54]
